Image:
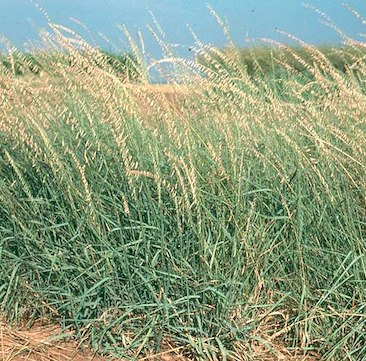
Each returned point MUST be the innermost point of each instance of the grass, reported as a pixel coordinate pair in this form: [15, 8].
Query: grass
[229, 223]
[275, 61]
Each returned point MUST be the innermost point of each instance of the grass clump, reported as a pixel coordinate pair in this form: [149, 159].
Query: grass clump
[276, 62]
[227, 221]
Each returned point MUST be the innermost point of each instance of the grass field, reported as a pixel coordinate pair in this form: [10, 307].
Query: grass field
[222, 218]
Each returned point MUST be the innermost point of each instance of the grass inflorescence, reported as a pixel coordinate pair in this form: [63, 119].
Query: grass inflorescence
[226, 220]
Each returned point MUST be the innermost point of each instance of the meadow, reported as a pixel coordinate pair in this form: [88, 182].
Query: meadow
[223, 221]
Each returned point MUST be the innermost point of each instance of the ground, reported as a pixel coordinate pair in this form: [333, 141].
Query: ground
[42, 343]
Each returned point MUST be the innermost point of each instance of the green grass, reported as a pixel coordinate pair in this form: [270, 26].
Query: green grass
[231, 219]
[24, 63]
[276, 62]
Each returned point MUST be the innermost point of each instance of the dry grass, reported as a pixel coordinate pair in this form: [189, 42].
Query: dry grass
[40, 343]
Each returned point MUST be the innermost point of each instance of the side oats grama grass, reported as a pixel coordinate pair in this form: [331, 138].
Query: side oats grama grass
[222, 215]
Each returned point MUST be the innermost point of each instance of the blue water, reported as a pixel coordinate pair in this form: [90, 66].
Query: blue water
[20, 19]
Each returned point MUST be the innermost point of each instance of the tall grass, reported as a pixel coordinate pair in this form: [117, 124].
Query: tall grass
[267, 61]
[227, 223]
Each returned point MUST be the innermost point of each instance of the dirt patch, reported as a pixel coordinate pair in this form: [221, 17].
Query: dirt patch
[40, 343]
[47, 343]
